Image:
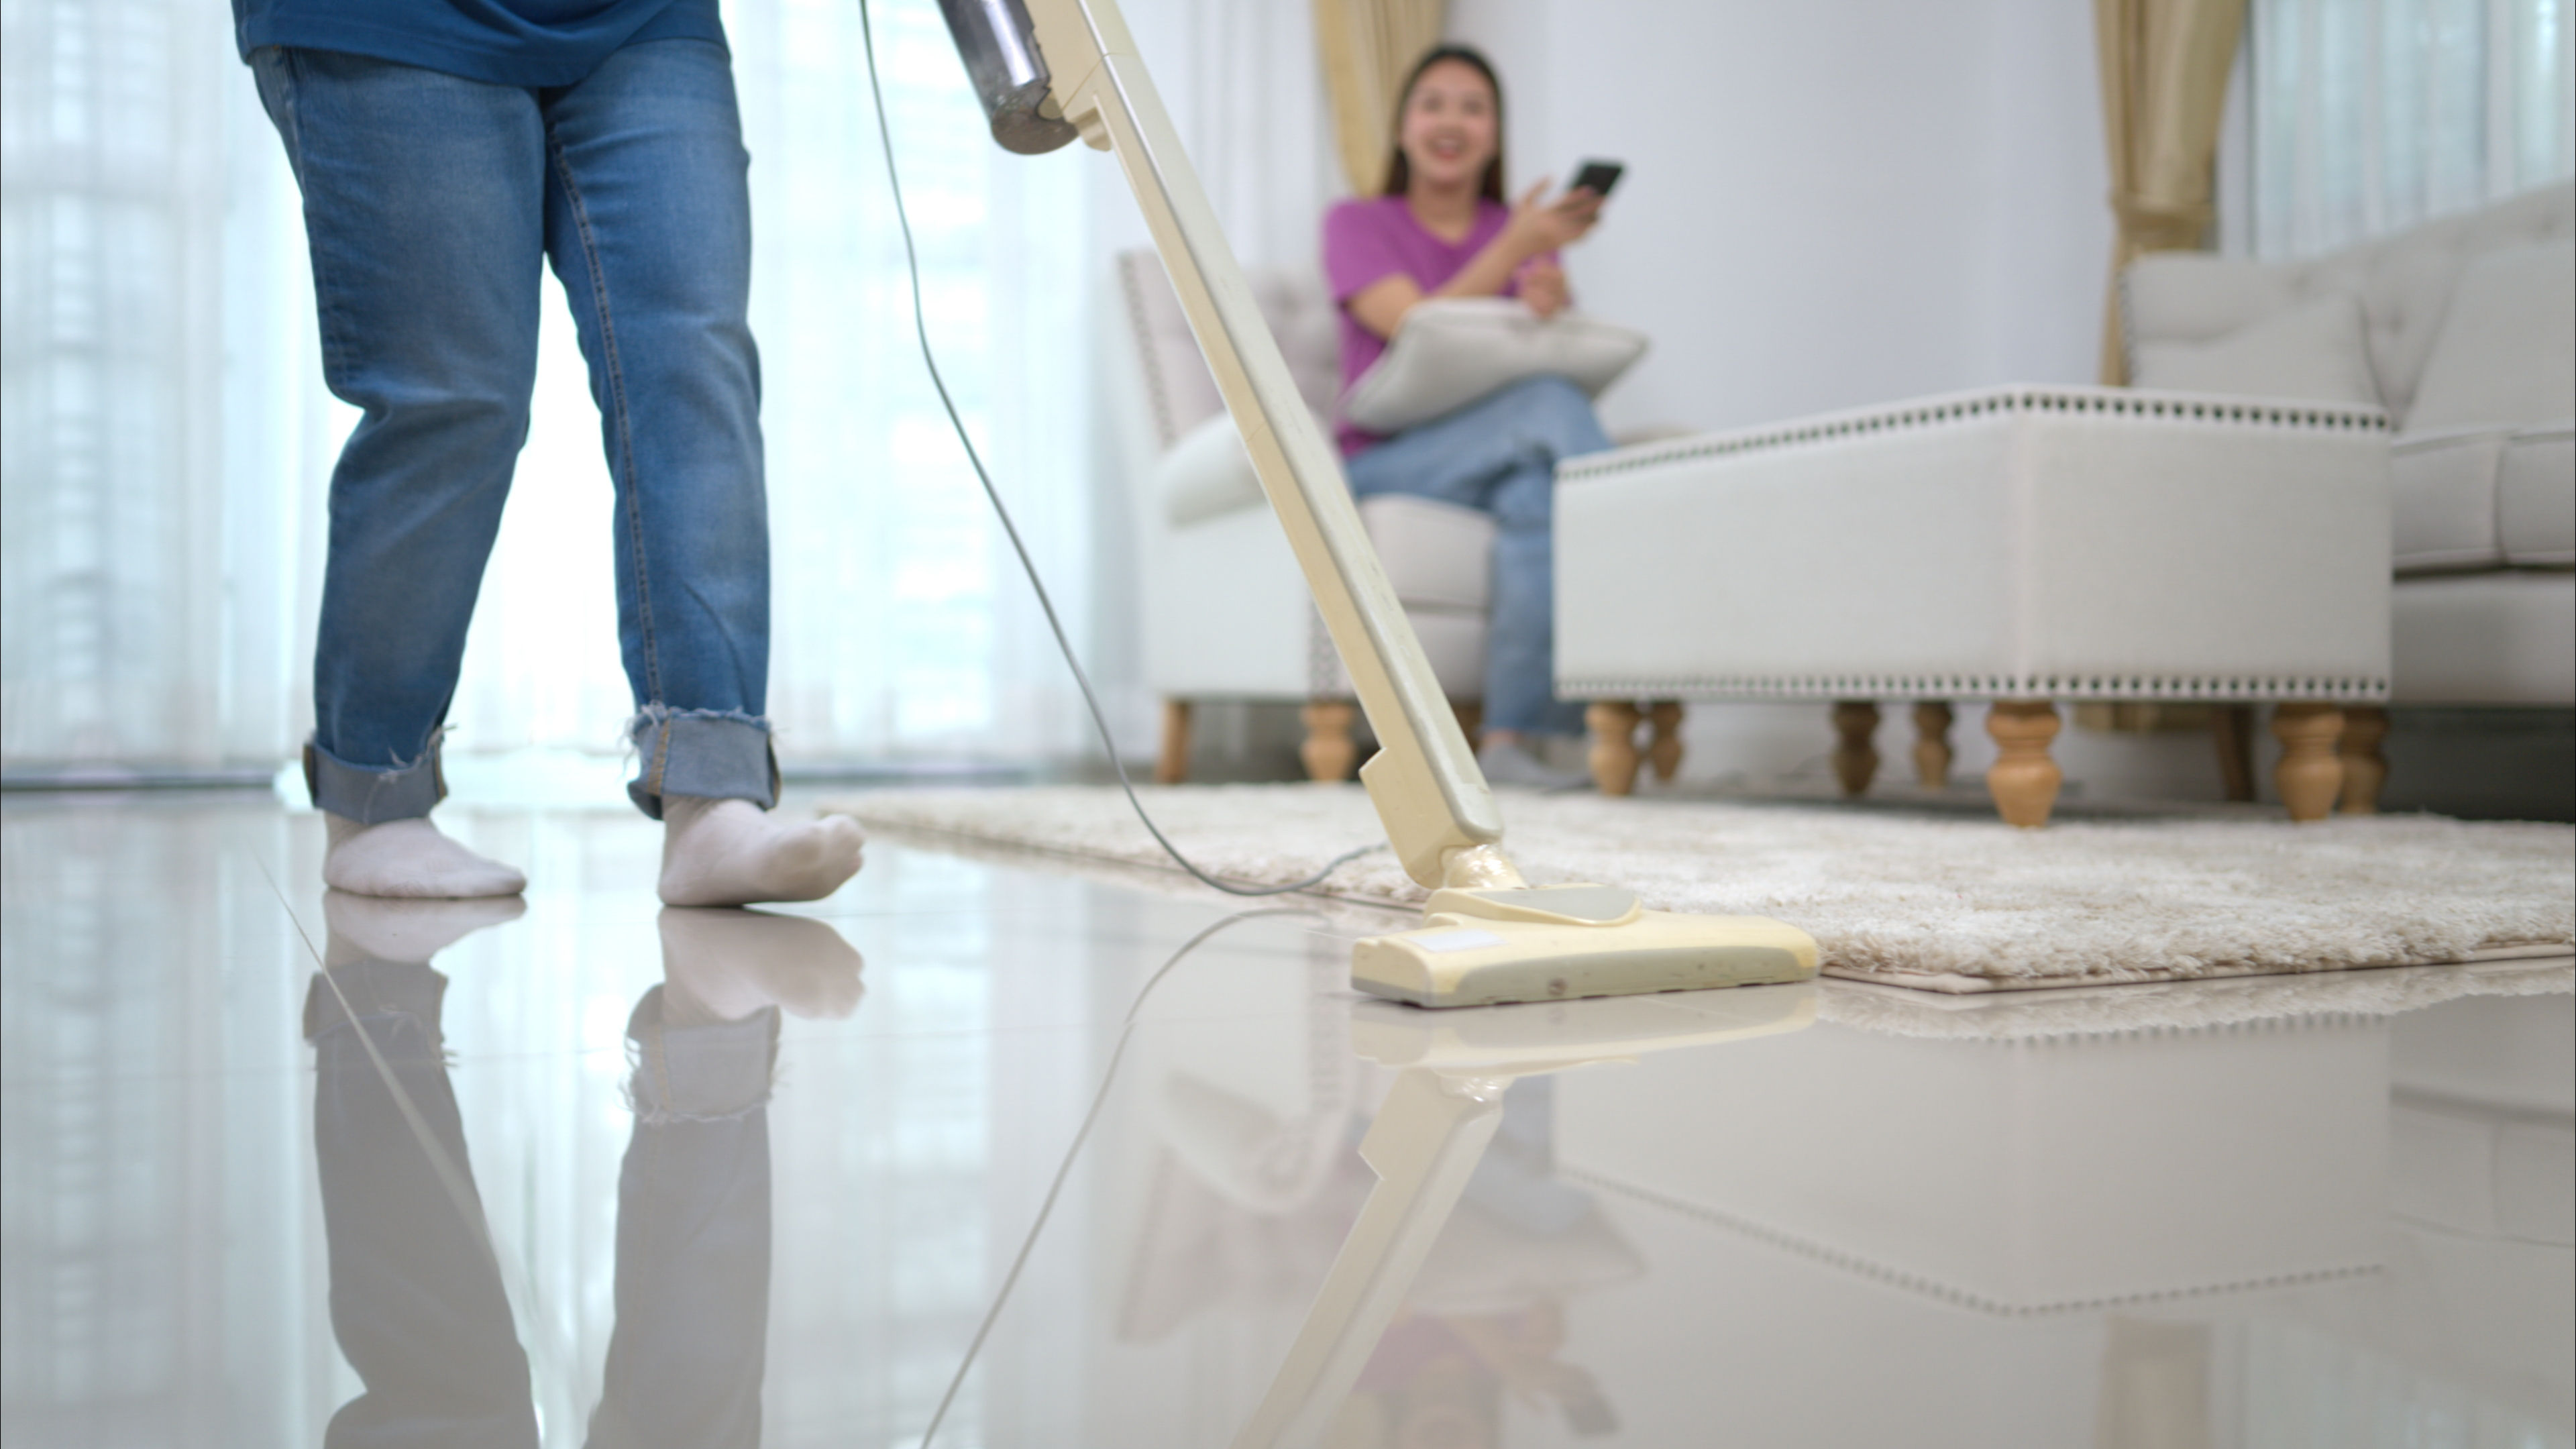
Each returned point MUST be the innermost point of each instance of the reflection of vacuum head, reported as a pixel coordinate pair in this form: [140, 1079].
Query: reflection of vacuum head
[1433, 1126]
[1047, 70]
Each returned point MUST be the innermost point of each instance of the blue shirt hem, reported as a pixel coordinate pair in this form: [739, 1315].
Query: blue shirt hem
[527, 60]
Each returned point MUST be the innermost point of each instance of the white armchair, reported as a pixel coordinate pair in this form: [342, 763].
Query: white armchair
[1226, 613]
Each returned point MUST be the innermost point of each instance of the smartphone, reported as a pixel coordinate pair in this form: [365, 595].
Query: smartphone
[1588, 1414]
[1598, 177]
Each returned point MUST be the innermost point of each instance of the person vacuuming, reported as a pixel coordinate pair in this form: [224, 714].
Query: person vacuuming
[447, 152]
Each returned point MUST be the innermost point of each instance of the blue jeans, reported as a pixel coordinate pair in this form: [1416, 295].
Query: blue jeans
[1498, 455]
[431, 203]
[416, 1301]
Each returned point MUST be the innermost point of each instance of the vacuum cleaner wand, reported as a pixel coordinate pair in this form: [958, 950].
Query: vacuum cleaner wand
[1050, 70]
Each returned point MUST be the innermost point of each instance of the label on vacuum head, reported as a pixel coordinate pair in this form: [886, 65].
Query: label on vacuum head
[1456, 940]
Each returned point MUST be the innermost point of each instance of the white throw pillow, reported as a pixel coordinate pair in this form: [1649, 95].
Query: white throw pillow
[2507, 349]
[2316, 352]
[1206, 473]
[1453, 350]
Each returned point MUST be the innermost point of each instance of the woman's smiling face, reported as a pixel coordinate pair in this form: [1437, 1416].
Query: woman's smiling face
[1449, 126]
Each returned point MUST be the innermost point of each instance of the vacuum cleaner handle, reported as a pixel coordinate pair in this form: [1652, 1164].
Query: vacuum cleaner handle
[1438, 811]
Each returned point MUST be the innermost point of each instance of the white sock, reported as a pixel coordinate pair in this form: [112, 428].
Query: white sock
[723, 965]
[1517, 762]
[732, 853]
[409, 858]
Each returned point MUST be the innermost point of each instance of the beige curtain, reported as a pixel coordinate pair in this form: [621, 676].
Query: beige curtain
[1366, 47]
[2164, 92]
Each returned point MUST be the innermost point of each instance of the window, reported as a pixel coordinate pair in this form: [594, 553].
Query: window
[2367, 116]
[169, 435]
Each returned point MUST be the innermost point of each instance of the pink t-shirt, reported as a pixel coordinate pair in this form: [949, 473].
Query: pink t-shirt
[1367, 241]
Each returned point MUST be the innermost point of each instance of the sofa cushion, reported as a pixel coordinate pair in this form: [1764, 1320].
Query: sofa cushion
[1206, 473]
[2506, 353]
[2404, 283]
[1179, 392]
[2503, 637]
[2444, 500]
[2536, 497]
[1438, 555]
[2199, 297]
[1451, 351]
[2314, 351]
[1454, 641]
[2407, 282]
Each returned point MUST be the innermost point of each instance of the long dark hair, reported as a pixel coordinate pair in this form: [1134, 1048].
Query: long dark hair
[1399, 171]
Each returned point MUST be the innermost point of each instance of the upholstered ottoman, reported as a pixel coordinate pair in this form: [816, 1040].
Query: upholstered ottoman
[2021, 544]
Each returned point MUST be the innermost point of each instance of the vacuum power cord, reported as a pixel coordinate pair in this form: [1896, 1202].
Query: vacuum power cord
[1099, 720]
[1064, 1169]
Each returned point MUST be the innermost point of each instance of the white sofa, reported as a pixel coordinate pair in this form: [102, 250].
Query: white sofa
[1226, 614]
[2464, 329]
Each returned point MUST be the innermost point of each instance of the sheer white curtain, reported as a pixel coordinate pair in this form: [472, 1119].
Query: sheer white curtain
[1247, 95]
[168, 437]
[901, 626]
[166, 434]
[2369, 115]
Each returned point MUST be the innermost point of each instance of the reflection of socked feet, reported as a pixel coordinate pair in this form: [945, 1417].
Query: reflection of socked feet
[1511, 763]
[410, 859]
[723, 965]
[732, 853]
[372, 928]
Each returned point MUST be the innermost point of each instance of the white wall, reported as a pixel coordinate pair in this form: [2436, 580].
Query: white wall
[1826, 205]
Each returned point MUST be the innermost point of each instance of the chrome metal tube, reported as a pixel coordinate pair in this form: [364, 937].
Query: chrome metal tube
[1000, 49]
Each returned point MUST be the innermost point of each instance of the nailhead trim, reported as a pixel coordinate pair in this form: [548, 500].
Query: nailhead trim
[1968, 686]
[2108, 402]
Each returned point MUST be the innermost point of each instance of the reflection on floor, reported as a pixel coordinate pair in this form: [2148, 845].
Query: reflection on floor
[1004, 1156]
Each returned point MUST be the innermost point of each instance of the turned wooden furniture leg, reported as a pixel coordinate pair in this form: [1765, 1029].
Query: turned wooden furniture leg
[1173, 765]
[2364, 768]
[1664, 744]
[2024, 779]
[1329, 752]
[1932, 744]
[1471, 720]
[1855, 759]
[1613, 724]
[2231, 727]
[2308, 776]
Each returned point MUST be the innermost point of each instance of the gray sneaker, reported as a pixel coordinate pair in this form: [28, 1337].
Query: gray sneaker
[1515, 764]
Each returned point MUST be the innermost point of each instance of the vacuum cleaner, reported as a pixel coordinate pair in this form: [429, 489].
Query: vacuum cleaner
[1049, 72]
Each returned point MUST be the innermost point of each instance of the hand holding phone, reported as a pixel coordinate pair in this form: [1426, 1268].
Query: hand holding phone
[1597, 177]
[1544, 223]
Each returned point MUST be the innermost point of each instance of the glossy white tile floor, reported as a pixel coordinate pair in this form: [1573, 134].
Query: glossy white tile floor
[2330, 1229]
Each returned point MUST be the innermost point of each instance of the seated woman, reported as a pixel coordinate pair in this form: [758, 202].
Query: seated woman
[1441, 229]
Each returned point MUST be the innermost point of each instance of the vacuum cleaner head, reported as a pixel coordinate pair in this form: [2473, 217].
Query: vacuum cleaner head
[1552, 943]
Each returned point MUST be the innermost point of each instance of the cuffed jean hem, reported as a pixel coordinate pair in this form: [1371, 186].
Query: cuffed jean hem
[370, 797]
[712, 1073]
[720, 754]
[373, 990]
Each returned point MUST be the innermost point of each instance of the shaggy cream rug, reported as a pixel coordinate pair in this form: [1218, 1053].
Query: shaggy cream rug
[1943, 903]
